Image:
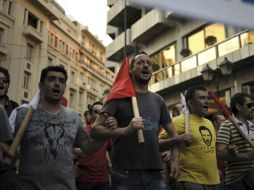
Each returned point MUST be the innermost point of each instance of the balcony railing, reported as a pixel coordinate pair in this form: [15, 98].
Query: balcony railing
[231, 44]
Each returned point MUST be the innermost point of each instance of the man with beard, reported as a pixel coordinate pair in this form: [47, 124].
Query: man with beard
[198, 166]
[136, 166]
[8, 104]
[46, 157]
[240, 162]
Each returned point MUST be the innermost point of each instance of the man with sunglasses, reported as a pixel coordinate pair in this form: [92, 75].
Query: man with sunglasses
[240, 162]
[8, 104]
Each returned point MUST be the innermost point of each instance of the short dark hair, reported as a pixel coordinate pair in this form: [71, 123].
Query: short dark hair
[6, 73]
[238, 98]
[56, 68]
[135, 55]
[215, 116]
[86, 112]
[191, 91]
[94, 104]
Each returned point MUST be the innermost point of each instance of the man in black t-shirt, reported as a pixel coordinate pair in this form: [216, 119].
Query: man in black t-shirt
[136, 166]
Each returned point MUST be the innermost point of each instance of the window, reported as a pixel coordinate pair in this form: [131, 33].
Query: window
[50, 61]
[247, 38]
[81, 97]
[29, 52]
[196, 42]
[26, 81]
[165, 57]
[10, 8]
[90, 99]
[206, 37]
[2, 60]
[73, 98]
[67, 50]
[32, 20]
[56, 42]
[41, 26]
[1, 35]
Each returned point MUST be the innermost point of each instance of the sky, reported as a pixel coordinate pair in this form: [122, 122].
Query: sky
[91, 13]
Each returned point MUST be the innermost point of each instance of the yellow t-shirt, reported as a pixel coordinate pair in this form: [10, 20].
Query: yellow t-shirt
[198, 162]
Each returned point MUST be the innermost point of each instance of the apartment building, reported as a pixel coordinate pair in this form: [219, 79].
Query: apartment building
[37, 33]
[181, 48]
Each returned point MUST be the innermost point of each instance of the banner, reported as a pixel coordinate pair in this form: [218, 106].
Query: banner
[232, 12]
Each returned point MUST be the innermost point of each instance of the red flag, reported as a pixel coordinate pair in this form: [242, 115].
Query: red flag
[123, 86]
[64, 102]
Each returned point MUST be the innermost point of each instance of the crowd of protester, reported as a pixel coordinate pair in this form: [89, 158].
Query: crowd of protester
[182, 150]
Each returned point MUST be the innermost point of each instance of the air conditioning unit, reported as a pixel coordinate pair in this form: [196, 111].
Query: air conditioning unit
[246, 89]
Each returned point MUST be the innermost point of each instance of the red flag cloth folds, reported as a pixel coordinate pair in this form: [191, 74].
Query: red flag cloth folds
[123, 85]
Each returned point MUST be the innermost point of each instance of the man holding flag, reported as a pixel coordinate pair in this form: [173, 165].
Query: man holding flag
[136, 165]
[198, 165]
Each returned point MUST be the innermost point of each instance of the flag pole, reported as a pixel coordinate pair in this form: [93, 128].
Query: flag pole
[229, 117]
[25, 123]
[186, 114]
[133, 99]
[125, 28]
[141, 139]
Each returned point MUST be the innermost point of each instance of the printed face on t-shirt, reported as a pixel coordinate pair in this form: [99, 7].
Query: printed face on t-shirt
[206, 135]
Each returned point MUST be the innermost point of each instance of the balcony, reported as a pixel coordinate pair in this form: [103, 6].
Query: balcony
[48, 8]
[150, 25]
[32, 33]
[115, 50]
[111, 2]
[116, 14]
[112, 31]
[235, 48]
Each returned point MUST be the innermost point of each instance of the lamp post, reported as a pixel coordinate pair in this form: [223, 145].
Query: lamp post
[225, 67]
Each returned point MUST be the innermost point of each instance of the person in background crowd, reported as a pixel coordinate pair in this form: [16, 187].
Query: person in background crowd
[136, 166]
[166, 155]
[176, 110]
[8, 104]
[233, 148]
[217, 120]
[92, 171]
[87, 116]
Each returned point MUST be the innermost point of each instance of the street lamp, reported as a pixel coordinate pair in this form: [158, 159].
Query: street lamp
[225, 67]
[207, 73]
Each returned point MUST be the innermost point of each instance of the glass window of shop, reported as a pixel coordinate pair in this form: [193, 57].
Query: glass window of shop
[206, 37]
[165, 57]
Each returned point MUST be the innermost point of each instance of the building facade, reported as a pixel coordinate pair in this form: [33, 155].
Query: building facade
[180, 48]
[37, 33]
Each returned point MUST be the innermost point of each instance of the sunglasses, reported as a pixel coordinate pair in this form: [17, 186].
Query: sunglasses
[4, 81]
[249, 105]
[96, 111]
